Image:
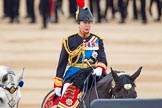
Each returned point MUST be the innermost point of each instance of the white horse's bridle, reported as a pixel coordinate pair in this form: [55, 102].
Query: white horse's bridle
[13, 92]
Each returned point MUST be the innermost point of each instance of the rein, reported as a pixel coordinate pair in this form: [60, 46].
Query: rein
[11, 89]
[86, 82]
[85, 88]
[95, 86]
[111, 89]
[112, 94]
[2, 86]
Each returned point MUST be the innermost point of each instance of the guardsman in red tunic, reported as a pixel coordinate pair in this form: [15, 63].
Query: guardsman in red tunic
[82, 54]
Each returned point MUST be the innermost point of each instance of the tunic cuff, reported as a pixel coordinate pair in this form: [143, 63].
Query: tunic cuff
[103, 66]
[57, 82]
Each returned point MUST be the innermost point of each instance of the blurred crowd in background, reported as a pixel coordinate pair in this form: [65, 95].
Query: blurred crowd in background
[50, 10]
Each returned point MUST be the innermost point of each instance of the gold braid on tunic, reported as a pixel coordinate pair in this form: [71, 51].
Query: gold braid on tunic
[77, 52]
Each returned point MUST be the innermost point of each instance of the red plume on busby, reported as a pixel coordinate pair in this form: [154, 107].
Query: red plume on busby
[83, 14]
[80, 3]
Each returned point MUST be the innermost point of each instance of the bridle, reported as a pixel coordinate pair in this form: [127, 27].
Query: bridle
[112, 90]
[11, 90]
[2, 86]
[85, 89]
[12, 101]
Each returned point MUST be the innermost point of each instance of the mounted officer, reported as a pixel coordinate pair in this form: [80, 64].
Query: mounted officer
[80, 52]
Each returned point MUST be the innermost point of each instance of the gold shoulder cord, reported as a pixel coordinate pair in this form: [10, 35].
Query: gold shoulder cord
[77, 52]
[100, 37]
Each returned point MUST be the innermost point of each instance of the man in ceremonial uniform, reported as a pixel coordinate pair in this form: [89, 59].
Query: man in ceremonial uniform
[122, 4]
[5, 8]
[158, 9]
[44, 7]
[30, 10]
[14, 10]
[142, 10]
[82, 54]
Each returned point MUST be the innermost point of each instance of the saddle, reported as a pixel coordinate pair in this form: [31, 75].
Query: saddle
[70, 98]
[52, 101]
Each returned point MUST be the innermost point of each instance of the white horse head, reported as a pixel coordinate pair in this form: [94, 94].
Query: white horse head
[9, 87]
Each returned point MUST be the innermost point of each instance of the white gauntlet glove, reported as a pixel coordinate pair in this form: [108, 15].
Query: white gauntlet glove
[57, 85]
[97, 71]
[58, 91]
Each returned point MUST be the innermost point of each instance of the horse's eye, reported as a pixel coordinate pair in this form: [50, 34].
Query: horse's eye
[5, 78]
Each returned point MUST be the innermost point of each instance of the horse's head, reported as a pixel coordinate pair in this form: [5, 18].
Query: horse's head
[123, 85]
[9, 87]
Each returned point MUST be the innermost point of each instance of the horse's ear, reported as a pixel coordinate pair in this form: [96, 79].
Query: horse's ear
[114, 75]
[136, 74]
[20, 75]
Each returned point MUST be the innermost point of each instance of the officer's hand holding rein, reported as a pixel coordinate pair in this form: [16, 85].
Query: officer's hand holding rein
[97, 71]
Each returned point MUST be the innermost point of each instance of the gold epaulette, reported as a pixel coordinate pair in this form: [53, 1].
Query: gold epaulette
[100, 37]
[66, 46]
[66, 38]
[57, 82]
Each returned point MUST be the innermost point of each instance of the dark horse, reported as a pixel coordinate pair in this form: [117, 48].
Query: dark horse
[116, 84]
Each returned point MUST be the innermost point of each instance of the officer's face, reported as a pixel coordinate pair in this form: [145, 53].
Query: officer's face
[85, 26]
